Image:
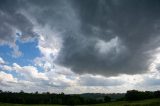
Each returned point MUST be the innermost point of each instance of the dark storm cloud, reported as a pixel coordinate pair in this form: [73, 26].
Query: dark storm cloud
[13, 23]
[55, 13]
[107, 37]
[103, 37]
[133, 23]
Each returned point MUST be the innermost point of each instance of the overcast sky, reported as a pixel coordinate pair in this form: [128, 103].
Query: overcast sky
[79, 46]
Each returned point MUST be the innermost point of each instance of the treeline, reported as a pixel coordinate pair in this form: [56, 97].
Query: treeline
[141, 95]
[74, 99]
[47, 98]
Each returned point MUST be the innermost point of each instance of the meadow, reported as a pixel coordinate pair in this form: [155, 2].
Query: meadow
[149, 102]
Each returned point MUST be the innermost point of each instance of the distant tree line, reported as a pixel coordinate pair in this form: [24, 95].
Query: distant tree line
[140, 95]
[47, 98]
[73, 99]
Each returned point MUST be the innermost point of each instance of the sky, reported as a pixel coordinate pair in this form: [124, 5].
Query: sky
[79, 46]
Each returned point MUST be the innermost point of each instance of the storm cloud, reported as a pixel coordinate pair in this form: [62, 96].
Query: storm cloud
[98, 37]
[115, 37]
[14, 25]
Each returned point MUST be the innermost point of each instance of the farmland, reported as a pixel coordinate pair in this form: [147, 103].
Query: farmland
[148, 102]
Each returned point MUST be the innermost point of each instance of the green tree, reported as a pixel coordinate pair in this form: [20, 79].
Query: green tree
[107, 99]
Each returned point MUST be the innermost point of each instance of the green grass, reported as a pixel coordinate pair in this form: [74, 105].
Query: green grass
[149, 102]
[7, 104]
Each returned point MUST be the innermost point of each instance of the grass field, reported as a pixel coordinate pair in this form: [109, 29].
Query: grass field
[150, 102]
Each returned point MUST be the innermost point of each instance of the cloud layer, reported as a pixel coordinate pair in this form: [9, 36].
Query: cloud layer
[14, 25]
[113, 37]
[98, 37]
[85, 44]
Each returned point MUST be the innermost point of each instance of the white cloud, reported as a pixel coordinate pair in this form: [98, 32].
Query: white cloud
[49, 44]
[6, 67]
[1, 60]
[113, 45]
[29, 72]
[61, 79]
[4, 77]
[9, 83]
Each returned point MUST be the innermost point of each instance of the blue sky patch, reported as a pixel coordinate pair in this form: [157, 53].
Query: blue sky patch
[29, 52]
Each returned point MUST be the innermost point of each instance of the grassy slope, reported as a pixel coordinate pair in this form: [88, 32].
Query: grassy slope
[6, 104]
[150, 102]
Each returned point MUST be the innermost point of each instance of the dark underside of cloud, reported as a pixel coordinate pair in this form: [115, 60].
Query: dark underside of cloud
[107, 37]
[114, 37]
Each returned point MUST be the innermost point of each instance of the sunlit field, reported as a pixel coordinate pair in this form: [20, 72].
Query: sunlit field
[149, 102]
